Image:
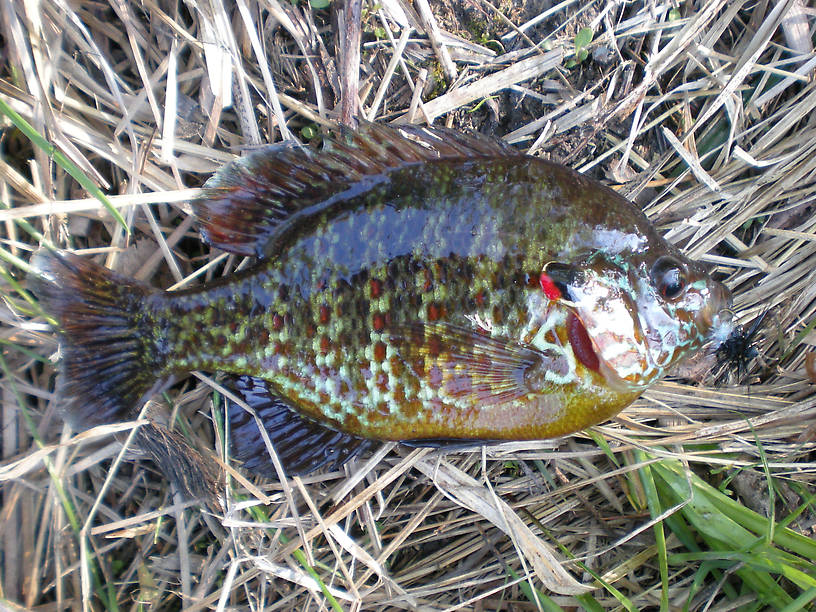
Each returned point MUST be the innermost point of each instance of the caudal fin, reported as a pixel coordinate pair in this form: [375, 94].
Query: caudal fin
[108, 359]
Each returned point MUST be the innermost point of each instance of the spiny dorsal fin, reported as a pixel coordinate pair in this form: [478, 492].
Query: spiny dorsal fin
[252, 200]
[302, 445]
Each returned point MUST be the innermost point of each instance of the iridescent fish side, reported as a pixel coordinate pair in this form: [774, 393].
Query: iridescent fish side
[411, 284]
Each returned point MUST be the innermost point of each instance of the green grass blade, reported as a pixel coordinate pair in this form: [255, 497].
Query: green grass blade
[745, 517]
[538, 597]
[655, 508]
[738, 536]
[800, 602]
[624, 601]
[260, 514]
[40, 141]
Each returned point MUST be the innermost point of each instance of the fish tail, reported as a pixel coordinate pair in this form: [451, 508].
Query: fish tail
[109, 358]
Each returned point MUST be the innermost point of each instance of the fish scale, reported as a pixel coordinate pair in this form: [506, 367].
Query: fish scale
[410, 284]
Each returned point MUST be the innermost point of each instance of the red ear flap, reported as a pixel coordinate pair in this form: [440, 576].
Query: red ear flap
[549, 287]
[557, 278]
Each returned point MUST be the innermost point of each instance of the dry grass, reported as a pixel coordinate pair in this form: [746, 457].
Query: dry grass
[704, 113]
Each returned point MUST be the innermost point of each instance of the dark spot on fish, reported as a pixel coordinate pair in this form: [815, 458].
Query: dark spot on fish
[378, 322]
[418, 366]
[428, 284]
[394, 270]
[396, 367]
[379, 351]
[360, 278]
[464, 269]
[325, 314]
[441, 272]
[434, 346]
[356, 322]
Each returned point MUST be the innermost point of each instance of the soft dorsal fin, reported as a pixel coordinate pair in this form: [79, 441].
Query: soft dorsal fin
[252, 200]
[302, 445]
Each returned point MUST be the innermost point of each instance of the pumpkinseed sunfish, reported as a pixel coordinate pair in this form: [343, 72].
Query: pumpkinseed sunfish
[410, 284]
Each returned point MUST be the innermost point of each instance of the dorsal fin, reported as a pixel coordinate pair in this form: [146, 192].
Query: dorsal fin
[252, 200]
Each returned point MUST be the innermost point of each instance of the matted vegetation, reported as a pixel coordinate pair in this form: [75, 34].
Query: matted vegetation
[699, 496]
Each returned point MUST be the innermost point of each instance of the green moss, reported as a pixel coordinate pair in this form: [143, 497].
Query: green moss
[436, 75]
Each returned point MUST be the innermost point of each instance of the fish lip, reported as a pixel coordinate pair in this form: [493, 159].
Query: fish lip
[722, 297]
[721, 326]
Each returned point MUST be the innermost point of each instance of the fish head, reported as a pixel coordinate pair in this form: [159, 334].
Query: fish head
[632, 319]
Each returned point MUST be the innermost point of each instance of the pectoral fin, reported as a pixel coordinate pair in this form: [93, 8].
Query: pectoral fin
[466, 363]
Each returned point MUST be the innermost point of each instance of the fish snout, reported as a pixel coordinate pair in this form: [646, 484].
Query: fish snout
[715, 320]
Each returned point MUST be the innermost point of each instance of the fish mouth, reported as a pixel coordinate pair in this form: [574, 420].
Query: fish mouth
[718, 314]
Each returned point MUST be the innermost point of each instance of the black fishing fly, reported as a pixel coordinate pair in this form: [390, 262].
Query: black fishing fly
[739, 348]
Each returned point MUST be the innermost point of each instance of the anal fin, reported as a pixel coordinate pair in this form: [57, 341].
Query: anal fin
[302, 445]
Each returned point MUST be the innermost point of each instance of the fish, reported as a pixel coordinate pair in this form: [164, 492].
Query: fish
[412, 284]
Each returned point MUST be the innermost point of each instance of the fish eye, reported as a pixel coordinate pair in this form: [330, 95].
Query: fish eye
[669, 277]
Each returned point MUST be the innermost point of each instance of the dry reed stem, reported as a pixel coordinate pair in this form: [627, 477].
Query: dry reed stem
[704, 115]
